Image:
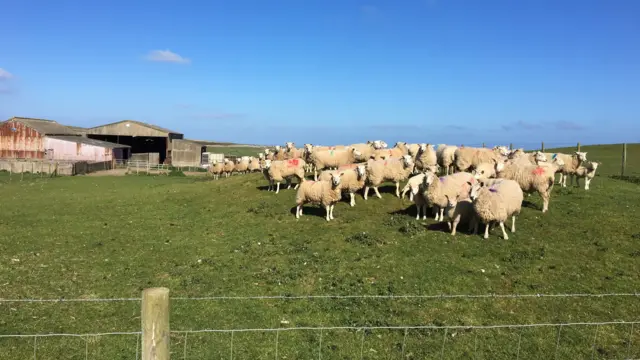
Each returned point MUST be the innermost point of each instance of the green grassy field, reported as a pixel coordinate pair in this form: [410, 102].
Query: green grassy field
[235, 150]
[112, 237]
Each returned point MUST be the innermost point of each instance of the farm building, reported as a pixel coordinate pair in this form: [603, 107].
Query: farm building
[141, 137]
[26, 138]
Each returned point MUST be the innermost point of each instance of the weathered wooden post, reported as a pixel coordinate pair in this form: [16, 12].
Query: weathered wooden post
[155, 324]
[511, 146]
[578, 146]
[483, 145]
[542, 147]
[624, 159]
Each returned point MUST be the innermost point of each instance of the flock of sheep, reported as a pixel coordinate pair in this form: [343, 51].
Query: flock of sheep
[466, 185]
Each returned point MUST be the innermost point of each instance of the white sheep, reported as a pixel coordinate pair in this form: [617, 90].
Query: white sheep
[400, 149]
[326, 193]
[228, 168]
[216, 169]
[417, 196]
[425, 157]
[446, 155]
[290, 151]
[323, 159]
[531, 178]
[496, 202]
[352, 179]
[467, 158]
[254, 165]
[571, 163]
[586, 171]
[280, 170]
[451, 185]
[415, 181]
[242, 165]
[391, 169]
[460, 210]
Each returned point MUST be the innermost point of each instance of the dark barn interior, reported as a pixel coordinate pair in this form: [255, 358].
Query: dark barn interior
[139, 144]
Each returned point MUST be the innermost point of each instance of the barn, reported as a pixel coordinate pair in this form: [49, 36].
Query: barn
[140, 136]
[27, 138]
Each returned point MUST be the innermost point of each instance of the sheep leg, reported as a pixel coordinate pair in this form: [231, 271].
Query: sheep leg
[353, 199]
[365, 192]
[513, 223]
[424, 212]
[449, 225]
[486, 230]
[397, 188]
[375, 188]
[437, 209]
[587, 181]
[545, 201]
[327, 208]
[298, 211]
[315, 175]
[417, 212]
[504, 233]
[441, 214]
[331, 211]
[476, 223]
[410, 196]
[278, 187]
[455, 225]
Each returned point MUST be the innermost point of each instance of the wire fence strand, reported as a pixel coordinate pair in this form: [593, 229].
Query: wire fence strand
[312, 297]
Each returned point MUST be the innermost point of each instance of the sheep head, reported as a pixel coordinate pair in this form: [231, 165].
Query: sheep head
[260, 156]
[335, 178]
[290, 145]
[361, 171]
[499, 166]
[451, 203]
[267, 151]
[539, 156]
[356, 153]
[581, 155]
[484, 171]
[475, 189]
[267, 164]
[278, 148]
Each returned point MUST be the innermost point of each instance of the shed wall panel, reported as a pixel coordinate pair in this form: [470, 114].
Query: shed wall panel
[72, 151]
[20, 141]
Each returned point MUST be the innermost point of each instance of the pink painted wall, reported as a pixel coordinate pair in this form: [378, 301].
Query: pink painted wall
[67, 150]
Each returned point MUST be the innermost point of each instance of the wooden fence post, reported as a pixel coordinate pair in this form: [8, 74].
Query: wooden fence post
[483, 145]
[155, 324]
[511, 146]
[578, 146]
[542, 148]
[624, 159]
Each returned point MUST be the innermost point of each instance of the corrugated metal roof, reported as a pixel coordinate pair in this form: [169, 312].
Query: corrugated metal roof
[45, 127]
[84, 140]
[151, 126]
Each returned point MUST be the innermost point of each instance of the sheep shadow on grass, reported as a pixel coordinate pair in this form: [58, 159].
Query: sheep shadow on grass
[530, 205]
[311, 210]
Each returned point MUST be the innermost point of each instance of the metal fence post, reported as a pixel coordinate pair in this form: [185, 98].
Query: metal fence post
[624, 159]
[155, 324]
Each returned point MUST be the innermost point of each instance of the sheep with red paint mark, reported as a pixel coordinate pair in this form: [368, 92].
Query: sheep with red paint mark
[352, 179]
[531, 178]
[325, 193]
[436, 189]
[496, 201]
[280, 170]
[391, 169]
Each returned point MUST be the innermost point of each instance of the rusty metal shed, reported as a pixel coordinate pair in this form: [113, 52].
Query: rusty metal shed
[25, 137]
[142, 137]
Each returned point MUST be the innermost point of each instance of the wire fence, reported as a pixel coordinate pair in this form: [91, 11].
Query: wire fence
[613, 339]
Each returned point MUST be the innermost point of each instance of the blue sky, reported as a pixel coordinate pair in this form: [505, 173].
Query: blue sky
[330, 71]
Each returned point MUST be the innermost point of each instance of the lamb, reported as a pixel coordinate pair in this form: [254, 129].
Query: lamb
[326, 193]
[216, 169]
[426, 157]
[333, 159]
[352, 180]
[417, 196]
[531, 178]
[467, 158]
[415, 181]
[446, 155]
[586, 171]
[460, 209]
[242, 165]
[496, 202]
[280, 170]
[452, 185]
[228, 168]
[392, 169]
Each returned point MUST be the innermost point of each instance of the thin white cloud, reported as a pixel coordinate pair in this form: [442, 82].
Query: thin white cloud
[167, 56]
[5, 75]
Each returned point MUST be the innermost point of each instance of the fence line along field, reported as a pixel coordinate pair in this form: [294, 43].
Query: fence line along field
[112, 237]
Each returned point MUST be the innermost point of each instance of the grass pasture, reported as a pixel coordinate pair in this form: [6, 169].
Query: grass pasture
[111, 237]
[233, 150]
